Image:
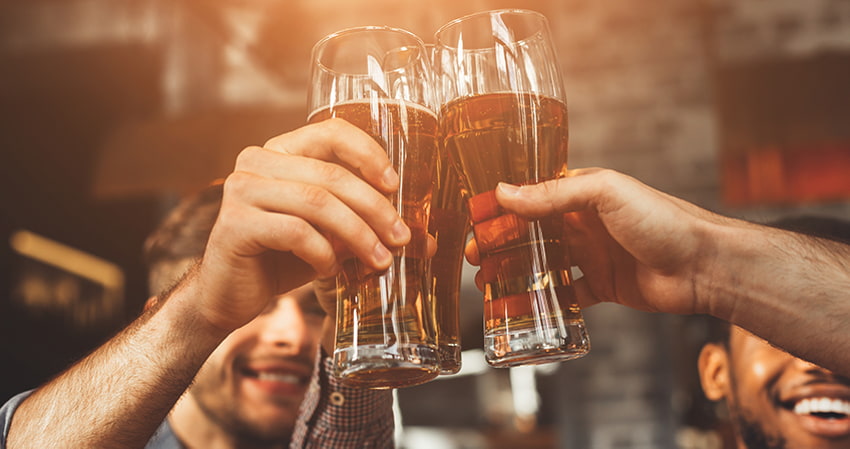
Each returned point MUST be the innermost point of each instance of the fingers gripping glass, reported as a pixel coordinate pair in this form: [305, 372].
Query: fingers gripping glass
[379, 79]
[503, 117]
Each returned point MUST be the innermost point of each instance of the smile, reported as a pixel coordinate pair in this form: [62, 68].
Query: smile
[276, 382]
[278, 377]
[822, 415]
[823, 408]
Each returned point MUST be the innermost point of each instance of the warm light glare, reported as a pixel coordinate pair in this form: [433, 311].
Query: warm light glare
[66, 258]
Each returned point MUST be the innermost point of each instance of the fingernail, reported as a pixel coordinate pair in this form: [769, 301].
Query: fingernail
[508, 189]
[390, 178]
[382, 255]
[401, 233]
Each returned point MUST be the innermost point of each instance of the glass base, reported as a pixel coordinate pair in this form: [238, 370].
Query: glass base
[383, 367]
[449, 358]
[534, 346]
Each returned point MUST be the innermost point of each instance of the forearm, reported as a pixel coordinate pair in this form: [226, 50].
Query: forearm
[117, 396]
[790, 289]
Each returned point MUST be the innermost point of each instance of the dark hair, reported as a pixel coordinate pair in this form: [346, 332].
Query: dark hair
[181, 237]
[717, 330]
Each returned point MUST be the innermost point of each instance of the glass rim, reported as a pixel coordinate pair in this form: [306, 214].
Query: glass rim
[360, 29]
[491, 12]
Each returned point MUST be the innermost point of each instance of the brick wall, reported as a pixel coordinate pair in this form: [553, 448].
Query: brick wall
[640, 80]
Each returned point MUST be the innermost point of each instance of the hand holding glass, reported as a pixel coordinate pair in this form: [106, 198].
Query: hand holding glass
[379, 79]
[504, 119]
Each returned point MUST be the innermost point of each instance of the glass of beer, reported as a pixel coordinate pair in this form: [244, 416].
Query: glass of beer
[379, 79]
[449, 224]
[503, 118]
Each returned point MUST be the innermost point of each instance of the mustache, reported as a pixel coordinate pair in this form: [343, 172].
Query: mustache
[820, 376]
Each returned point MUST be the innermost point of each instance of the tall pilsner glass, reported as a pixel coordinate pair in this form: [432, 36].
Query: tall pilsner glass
[379, 79]
[504, 118]
[450, 227]
[449, 224]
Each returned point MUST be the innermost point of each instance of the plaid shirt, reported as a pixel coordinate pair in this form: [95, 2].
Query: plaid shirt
[339, 417]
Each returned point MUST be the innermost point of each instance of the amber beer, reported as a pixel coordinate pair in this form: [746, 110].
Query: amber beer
[449, 224]
[530, 312]
[383, 314]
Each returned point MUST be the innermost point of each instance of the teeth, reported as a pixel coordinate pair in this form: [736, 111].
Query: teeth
[278, 377]
[822, 405]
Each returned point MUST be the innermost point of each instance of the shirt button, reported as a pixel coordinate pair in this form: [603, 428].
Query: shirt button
[337, 399]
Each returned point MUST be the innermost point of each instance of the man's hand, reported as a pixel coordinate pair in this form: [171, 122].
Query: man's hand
[635, 245]
[289, 209]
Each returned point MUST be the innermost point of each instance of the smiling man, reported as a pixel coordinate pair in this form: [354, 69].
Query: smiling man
[776, 400]
[249, 391]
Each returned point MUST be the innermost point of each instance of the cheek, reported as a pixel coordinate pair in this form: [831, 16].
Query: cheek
[239, 340]
[759, 369]
[755, 375]
[214, 368]
[315, 327]
[210, 382]
[220, 362]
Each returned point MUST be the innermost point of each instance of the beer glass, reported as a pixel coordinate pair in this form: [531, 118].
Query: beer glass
[379, 79]
[449, 224]
[503, 117]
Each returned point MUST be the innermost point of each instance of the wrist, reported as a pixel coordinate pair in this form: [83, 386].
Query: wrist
[180, 309]
[725, 274]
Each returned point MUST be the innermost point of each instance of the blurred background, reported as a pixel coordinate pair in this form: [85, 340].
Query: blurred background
[110, 110]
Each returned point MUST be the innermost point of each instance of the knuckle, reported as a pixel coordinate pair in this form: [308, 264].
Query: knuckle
[297, 230]
[275, 141]
[315, 196]
[236, 184]
[606, 175]
[337, 124]
[230, 217]
[247, 156]
[330, 173]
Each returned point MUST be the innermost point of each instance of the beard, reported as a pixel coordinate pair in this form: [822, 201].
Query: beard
[751, 432]
[228, 416]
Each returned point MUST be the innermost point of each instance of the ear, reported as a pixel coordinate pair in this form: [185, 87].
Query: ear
[714, 371]
[150, 303]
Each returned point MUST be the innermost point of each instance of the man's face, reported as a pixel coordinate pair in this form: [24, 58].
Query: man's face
[777, 400]
[254, 382]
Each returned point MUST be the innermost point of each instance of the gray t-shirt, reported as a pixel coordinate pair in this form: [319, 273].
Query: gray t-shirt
[6, 412]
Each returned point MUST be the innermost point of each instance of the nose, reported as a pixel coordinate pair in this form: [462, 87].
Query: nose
[285, 327]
